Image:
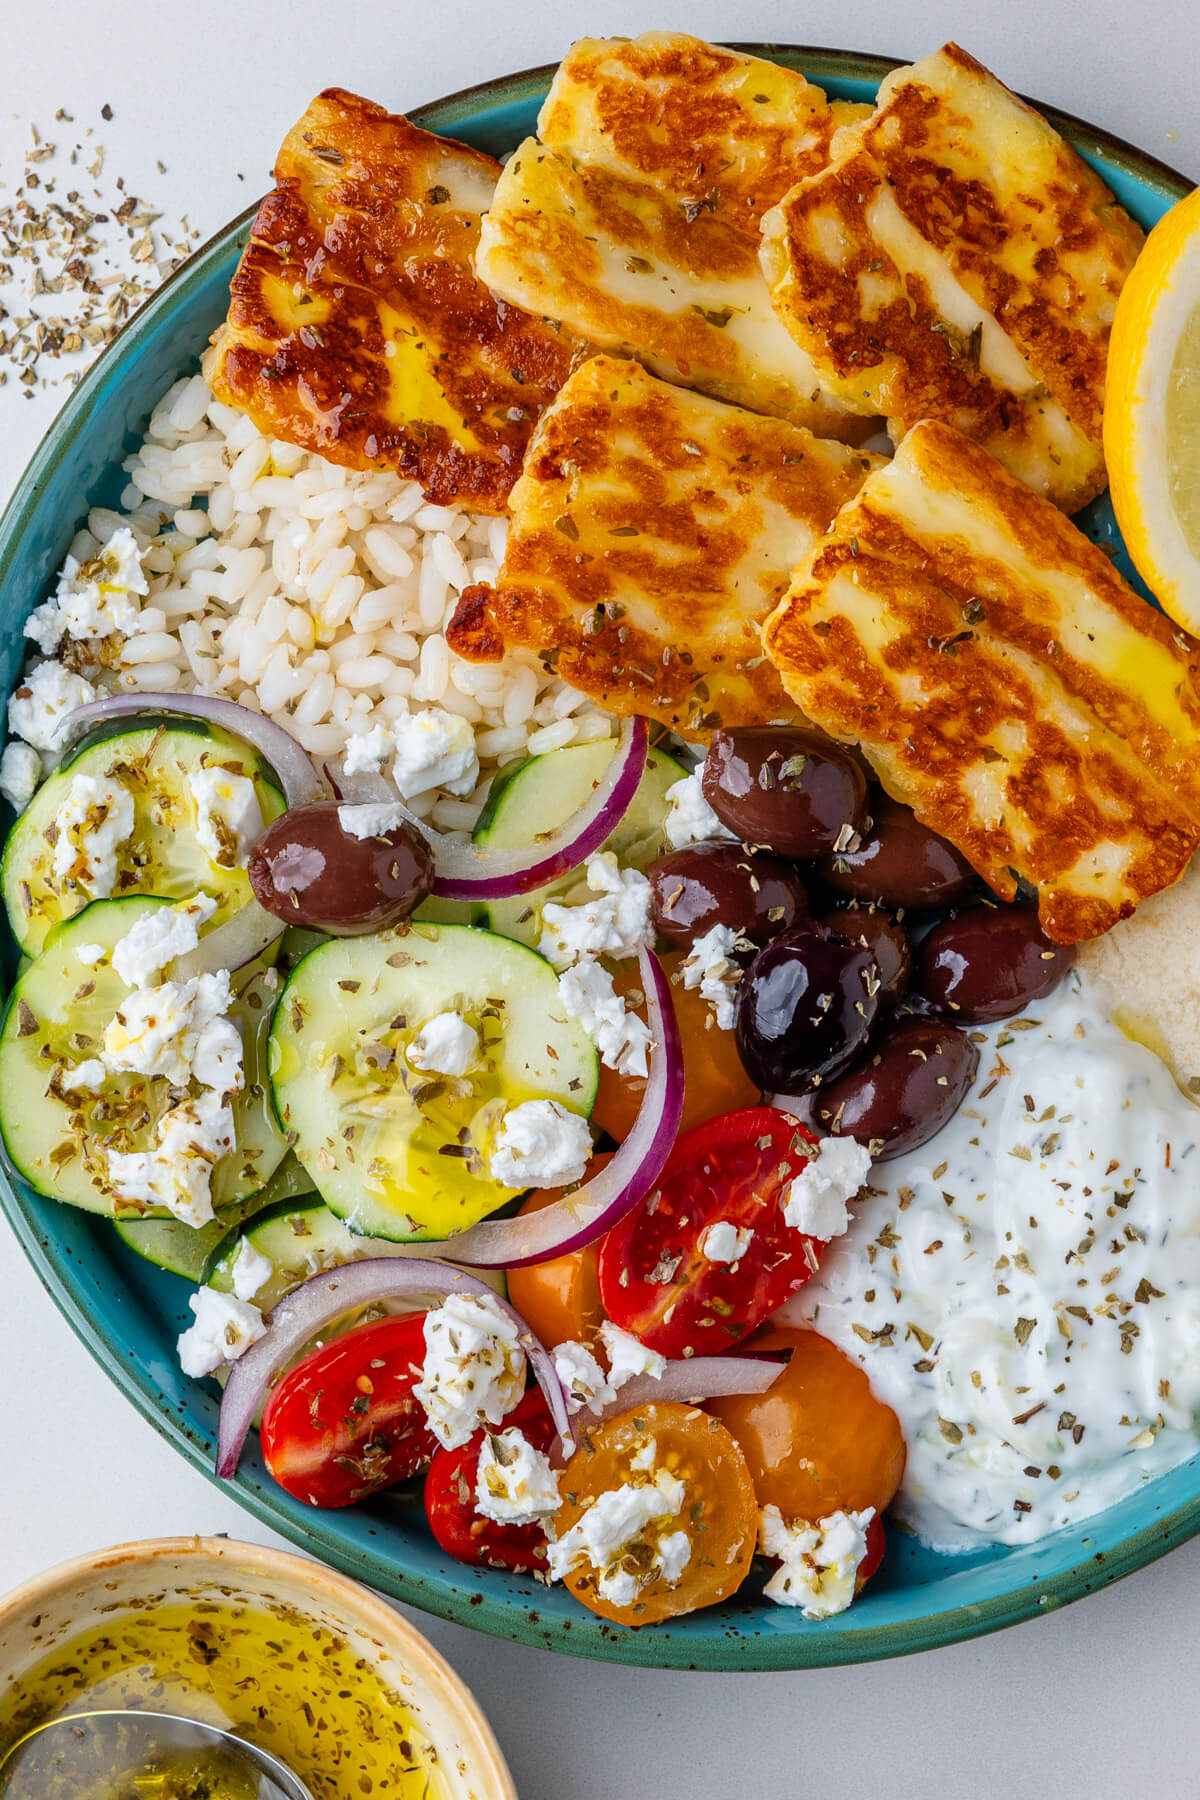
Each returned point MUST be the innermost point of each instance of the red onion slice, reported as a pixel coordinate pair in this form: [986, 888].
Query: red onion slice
[591, 1210]
[290, 761]
[465, 871]
[246, 934]
[301, 1316]
[367, 787]
[693, 1381]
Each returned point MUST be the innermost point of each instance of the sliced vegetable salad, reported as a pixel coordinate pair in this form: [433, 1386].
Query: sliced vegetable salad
[583, 1099]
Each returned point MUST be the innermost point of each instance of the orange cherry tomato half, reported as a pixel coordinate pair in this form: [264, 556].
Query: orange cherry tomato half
[345, 1422]
[818, 1441]
[455, 1521]
[655, 1279]
[718, 1511]
[560, 1298]
[714, 1080]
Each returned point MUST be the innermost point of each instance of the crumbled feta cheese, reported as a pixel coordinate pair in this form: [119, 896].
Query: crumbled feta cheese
[819, 1563]
[159, 1030]
[45, 625]
[815, 1202]
[445, 1045]
[89, 954]
[724, 1242]
[217, 1060]
[514, 1483]
[44, 699]
[177, 1172]
[620, 1587]
[690, 819]
[118, 564]
[584, 1380]
[250, 1270]
[623, 1039]
[90, 1074]
[146, 1034]
[158, 937]
[710, 966]
[613, 1536]
[616, 923]
[370, 819]
[225, 1327]
[474, 1372]
[366, 751]
[434, 749]
[94, 599]
[228, 816]
[645, 1460]
[95, 819]
[674, 1555]
[540, 1144]
[20, 774]
[627, 1356]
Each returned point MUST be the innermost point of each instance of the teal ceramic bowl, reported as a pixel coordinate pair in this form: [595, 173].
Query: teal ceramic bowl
[129, 1314]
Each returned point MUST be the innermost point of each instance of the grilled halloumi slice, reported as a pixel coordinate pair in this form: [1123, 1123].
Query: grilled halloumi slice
[957, 260]
[633, 216]
[652, 531]
[357, 326]
[1003, 680]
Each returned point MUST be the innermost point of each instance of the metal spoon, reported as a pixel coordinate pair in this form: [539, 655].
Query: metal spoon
[51, 1760]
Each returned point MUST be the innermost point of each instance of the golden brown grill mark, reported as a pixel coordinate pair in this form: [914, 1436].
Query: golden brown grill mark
[652, 531]
[633, 217]
[357, 326]
[958, 260]
[724, 132]
[1003, 680]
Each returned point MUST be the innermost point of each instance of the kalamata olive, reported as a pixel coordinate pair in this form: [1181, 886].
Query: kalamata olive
[723, 884]
[885, 938]
[911, 1083]
[309, 869]
[900, 863]
[805, 1008]
[787, 790]
[989, 962]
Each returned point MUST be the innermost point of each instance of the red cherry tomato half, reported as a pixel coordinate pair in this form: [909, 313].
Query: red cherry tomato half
[344, 1422]
[655, 1279]
[459, 1528]
[876, 1545]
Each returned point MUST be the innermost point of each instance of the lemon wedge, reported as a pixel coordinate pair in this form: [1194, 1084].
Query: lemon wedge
[1152, 412]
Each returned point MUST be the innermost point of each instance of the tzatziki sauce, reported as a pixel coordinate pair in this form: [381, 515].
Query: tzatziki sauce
[1024, 1290]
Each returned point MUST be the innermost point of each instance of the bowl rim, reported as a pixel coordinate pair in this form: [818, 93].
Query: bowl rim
[720, 1650]
[346, 1599]
[817, 62]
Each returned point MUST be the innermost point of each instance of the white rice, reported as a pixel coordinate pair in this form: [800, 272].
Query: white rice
[316, 595]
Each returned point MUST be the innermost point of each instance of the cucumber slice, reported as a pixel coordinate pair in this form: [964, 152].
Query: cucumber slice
[301, 1240]
[296, 943]
[396, 1153]
[183, 1250]
[541, 793]
[56, 1016]
[178, 1248]
[162, 856]
[436, 911]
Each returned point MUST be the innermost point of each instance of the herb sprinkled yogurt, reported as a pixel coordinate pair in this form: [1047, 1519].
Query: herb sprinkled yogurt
[1024, 1291]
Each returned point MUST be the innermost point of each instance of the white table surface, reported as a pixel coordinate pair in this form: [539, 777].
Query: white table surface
[1096, 1700]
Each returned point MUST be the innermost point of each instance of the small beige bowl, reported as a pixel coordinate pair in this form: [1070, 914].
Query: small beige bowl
[56, 1606]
